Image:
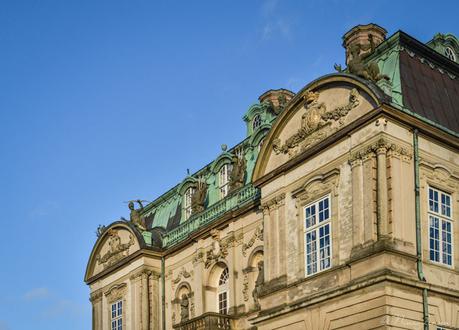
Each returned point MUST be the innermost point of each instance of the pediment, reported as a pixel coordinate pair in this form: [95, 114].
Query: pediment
[321, 109]
[116, 243]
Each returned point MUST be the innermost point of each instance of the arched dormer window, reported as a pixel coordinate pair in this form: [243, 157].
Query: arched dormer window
[187, 202]
[222, 291]
[223, 180]
[449, 53]
[256, 122]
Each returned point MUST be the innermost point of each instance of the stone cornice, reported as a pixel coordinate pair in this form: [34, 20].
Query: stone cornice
[382, 146]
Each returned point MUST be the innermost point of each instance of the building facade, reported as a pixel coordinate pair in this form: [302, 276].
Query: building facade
[339, 210]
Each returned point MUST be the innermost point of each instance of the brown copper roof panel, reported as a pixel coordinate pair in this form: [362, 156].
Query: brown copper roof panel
[429, 92]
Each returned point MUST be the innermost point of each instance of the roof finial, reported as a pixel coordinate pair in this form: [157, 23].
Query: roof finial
[224, 147]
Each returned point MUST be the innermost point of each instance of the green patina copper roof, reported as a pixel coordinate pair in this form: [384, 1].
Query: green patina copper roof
[166, 211]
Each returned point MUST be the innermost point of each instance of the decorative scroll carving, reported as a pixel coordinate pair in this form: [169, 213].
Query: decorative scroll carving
[198, 257]
[217, 251]
[116, 292]
[117, 250]
[258, 234]
[199, 197]
[183, 273]
[245, 287]
[313, 120]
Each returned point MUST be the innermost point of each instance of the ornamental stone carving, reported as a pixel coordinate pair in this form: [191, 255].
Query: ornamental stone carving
[184, 308]
[315, 186]
[95, 296]
[440, 174]
[245, 286]
[258, 284]
[217, 251]
[382, 145]
[273, 203]
[182, 274]
[116, 292]
[237, 175]
[315, 118]
[198, 257]
[199, 197]
[257, 235]
[117, 249]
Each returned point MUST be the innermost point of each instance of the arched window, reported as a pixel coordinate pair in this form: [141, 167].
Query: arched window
[223, 180]
[449, 53]
[187, 202]
[222, 292]
[256, 122]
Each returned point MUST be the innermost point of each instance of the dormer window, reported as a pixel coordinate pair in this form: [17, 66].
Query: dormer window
[223, 180]
[256, 122]
[449, 53]
[187, 202]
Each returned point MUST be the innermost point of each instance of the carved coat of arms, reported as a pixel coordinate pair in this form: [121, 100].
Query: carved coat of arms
[313, 120]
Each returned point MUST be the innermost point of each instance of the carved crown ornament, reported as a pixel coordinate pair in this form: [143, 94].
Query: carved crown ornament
[116, 251]
[315, 118]
[382, 145]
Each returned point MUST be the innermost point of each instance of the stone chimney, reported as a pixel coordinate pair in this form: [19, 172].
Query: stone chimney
[277, 97]
[363, 35]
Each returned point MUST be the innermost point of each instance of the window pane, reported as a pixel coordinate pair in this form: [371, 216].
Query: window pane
[324, 253]
[311, 254]
[434, 238]
[310, 216]
[446, 243]
[433, 200]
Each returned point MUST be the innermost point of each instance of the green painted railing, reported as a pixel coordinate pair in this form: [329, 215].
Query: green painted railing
[234, 201]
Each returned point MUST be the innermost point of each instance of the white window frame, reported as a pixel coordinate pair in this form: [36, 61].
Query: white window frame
[451, 55]
[187, 202]
[256, 122]
[223, 291]
[223, 180]
[444, 214]
[116, 313]
[316, 229]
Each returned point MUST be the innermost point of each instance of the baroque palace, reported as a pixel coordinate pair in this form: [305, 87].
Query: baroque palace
[339, 210]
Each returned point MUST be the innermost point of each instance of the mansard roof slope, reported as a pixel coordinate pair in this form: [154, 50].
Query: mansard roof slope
[166, 210]
[423, 81]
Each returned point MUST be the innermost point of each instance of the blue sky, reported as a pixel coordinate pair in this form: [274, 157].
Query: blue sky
[106, 101]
